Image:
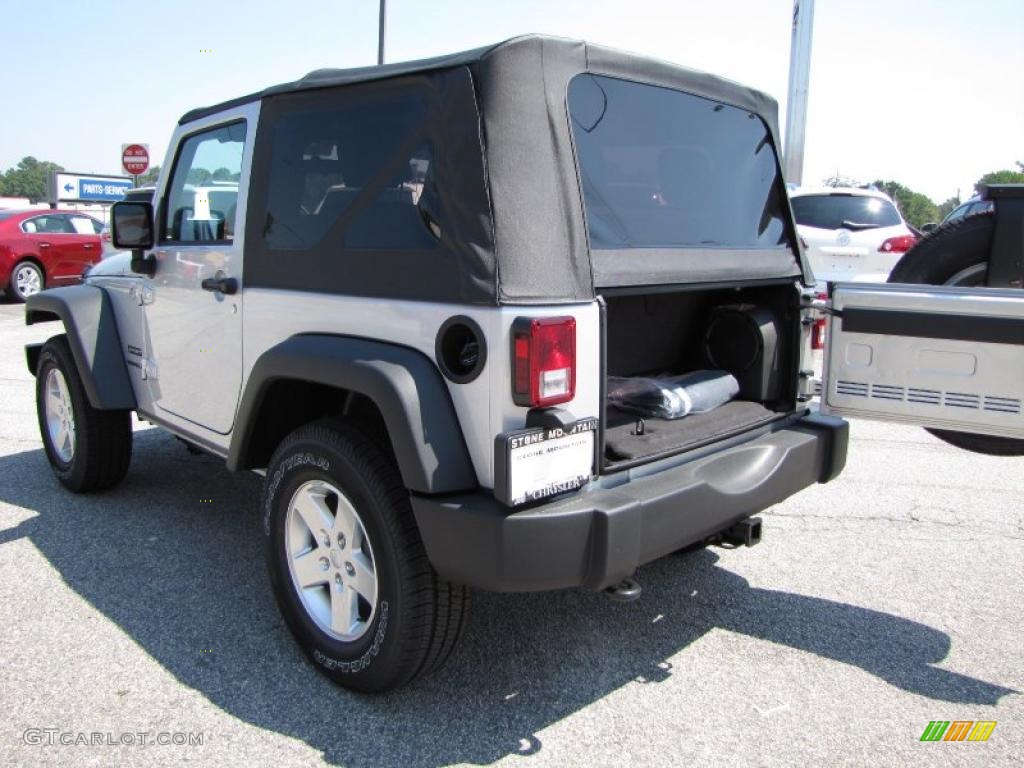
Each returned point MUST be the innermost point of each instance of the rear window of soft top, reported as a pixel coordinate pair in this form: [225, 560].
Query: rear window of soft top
[661, 168]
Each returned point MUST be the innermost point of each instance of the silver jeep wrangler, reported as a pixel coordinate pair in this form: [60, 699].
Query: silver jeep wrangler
[404, 294]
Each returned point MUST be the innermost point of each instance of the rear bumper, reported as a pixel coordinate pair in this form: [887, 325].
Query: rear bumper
[600, 536]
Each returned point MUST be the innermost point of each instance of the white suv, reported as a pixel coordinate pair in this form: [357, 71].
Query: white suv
[417, 314]
[850, 234]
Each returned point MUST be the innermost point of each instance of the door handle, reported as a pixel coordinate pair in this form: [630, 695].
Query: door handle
[44, 245]
[89, 245]
[220, 284]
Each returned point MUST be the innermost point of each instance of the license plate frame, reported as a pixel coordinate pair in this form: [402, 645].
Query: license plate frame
[525, 468]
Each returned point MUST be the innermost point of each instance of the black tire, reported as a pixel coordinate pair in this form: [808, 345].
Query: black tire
[957, 254]
[418, 617]
[947, 251]
[13, 290]
[101, 441]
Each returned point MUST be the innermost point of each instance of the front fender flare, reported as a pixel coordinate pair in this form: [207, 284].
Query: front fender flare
[403, 383]
[91, 328]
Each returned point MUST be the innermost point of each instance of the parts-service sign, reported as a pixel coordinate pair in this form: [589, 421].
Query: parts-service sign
[533, 464]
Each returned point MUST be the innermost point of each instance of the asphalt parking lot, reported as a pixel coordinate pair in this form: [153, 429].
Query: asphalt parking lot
[884, 600]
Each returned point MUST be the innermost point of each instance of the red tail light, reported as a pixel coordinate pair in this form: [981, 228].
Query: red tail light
[899, 244]
[818, 329]
[105, 236]
[543, 360]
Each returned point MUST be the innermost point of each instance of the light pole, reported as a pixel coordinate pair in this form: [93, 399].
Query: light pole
[799, 82]
[380, 32]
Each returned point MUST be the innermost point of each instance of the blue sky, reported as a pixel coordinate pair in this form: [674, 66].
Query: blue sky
[927, 92]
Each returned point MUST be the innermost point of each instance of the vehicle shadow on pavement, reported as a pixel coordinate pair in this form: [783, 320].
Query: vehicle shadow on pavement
[179, 574]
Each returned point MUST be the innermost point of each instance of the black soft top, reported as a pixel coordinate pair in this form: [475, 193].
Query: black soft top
[329, 78]
[557, 52]
[533, 247]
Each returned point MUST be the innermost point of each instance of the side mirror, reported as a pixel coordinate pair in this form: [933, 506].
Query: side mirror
[929, 226]
[131, 227]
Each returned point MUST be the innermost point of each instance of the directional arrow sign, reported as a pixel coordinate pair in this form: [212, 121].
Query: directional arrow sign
[89, 188]
[67, 187]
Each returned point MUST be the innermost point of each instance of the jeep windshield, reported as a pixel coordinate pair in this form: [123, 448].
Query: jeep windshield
[661, 168]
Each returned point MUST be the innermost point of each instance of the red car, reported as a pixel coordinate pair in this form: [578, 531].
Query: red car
[45, 248]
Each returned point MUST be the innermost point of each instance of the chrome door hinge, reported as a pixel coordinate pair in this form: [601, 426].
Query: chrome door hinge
[141, 294]
[149, 369]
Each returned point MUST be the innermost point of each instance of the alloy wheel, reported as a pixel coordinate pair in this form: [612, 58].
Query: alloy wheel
[330, 560]
[27, 280]
[60, 416]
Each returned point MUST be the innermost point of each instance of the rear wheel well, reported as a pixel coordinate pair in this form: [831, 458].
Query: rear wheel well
[290, 403]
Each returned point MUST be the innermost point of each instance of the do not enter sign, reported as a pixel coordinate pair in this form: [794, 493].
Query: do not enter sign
[135, 158]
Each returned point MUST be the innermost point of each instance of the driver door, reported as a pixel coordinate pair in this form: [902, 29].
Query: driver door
[194, 309]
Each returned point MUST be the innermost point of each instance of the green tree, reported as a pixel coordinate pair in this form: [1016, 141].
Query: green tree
[1001, 177]
[840, 181]
[199, 177]
[917, 208]
[946, 207]
[150, 177]
[28, 179]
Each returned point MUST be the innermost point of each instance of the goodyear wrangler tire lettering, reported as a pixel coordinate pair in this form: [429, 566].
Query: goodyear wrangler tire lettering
[291, 462]
[348, 667]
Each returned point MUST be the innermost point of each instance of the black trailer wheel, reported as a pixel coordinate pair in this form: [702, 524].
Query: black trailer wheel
[347, 564]
[88, 449]
[957, 254]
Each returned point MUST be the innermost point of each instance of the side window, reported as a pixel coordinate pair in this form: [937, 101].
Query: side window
[958, 213]
[53, 224]
[359, 163]
[84, 225]
[400, 215]
[203, 195]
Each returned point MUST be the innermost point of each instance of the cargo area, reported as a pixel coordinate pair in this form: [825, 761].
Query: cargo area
[750, 333]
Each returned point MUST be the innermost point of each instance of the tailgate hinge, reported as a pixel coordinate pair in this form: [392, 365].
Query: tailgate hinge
[808, 386]
[818, 308]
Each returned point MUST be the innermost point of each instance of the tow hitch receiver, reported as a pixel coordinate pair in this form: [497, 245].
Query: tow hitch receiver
[745, 533]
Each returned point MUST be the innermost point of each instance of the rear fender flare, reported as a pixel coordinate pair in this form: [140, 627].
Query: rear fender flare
[403, 383]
